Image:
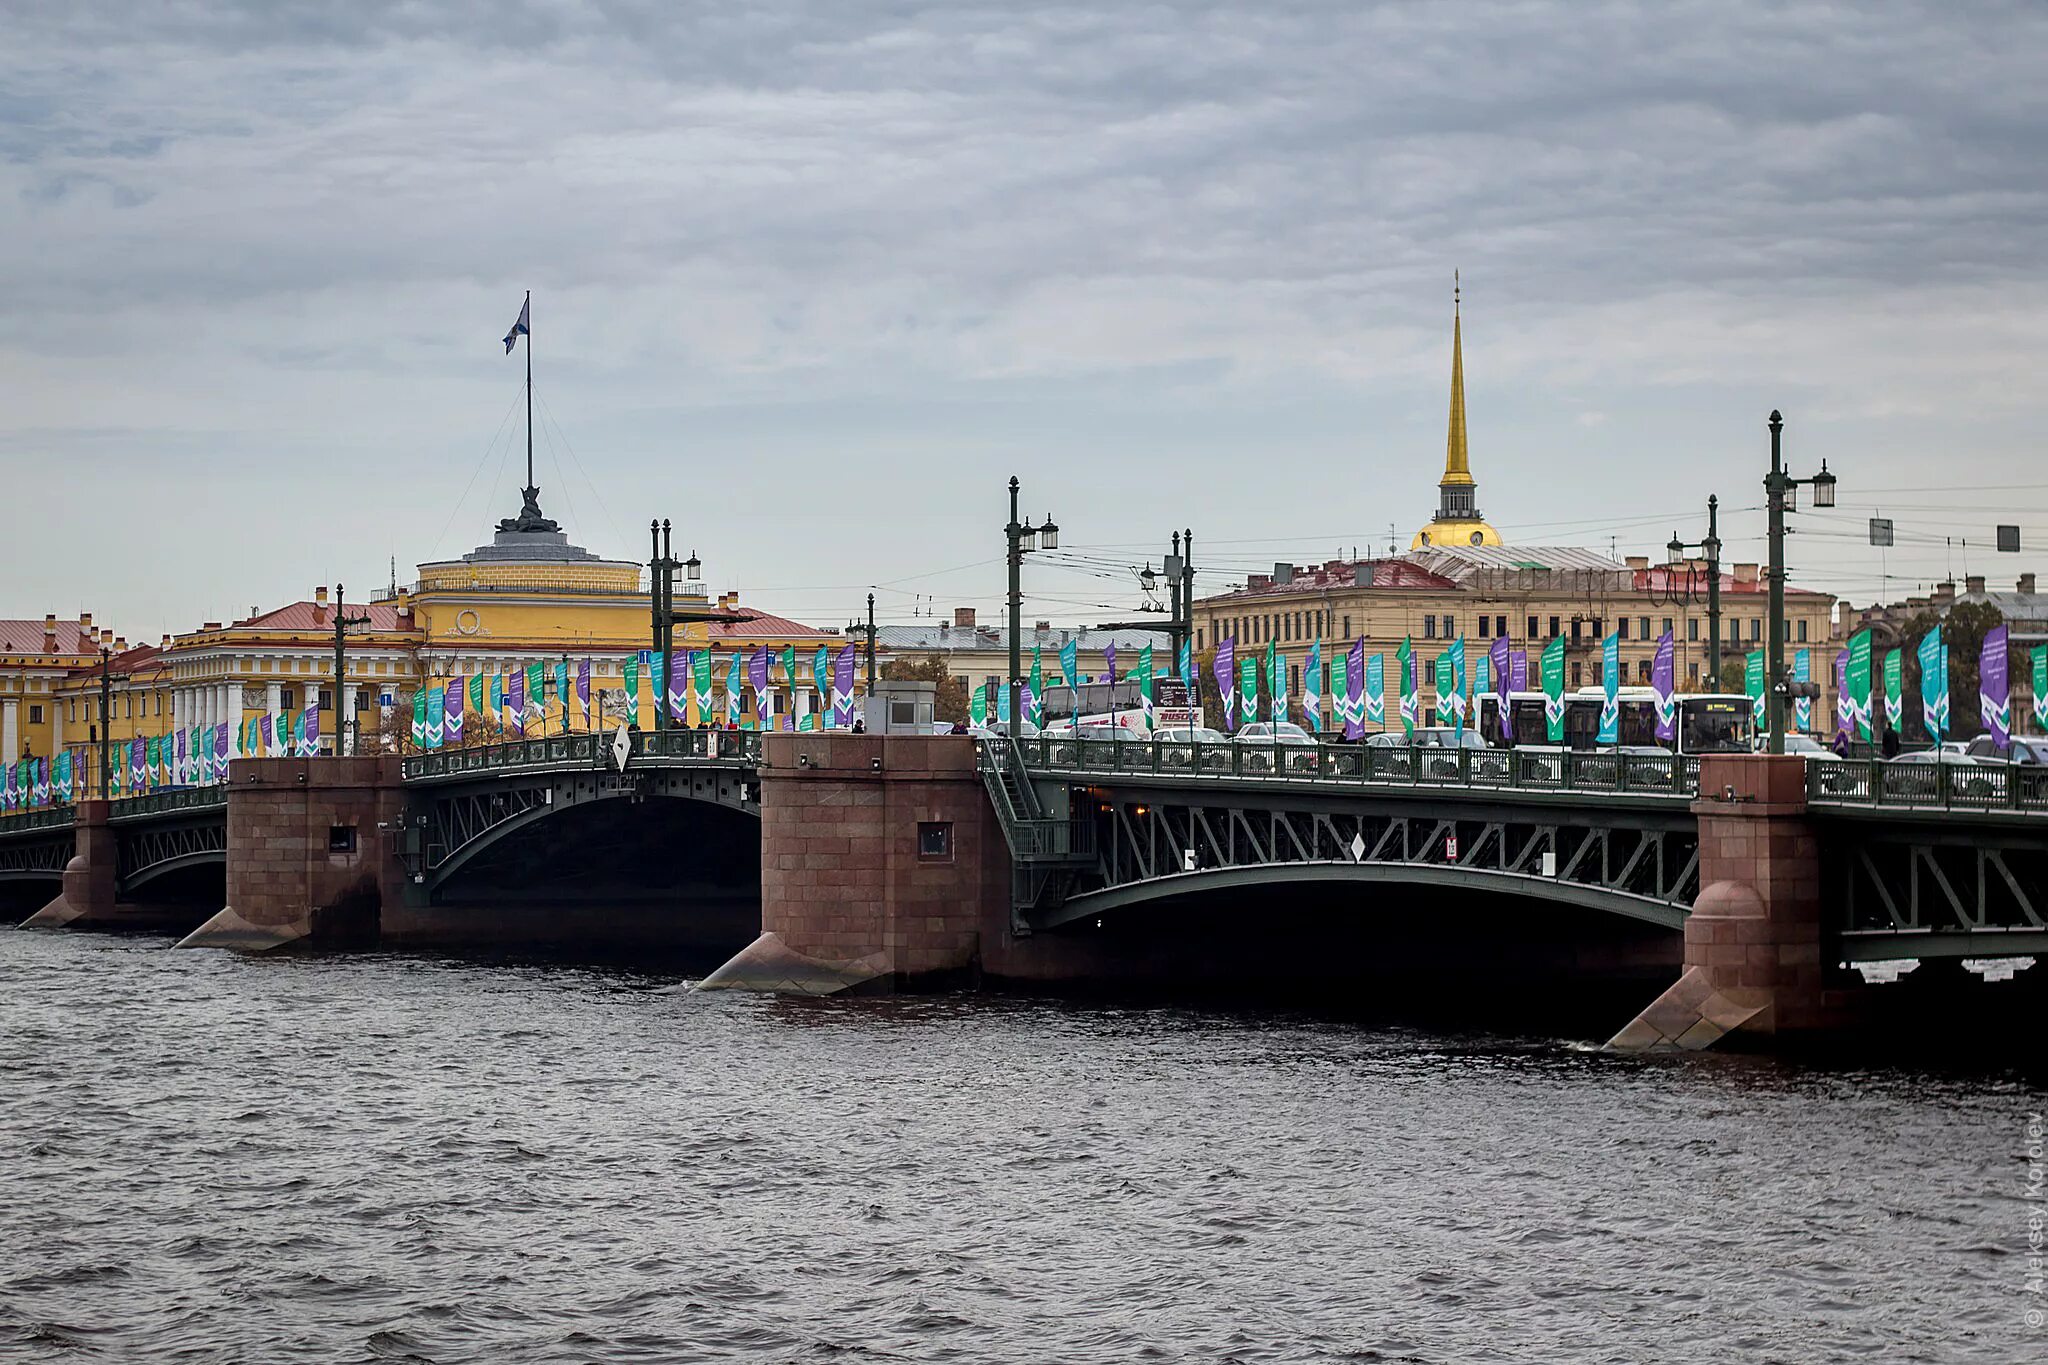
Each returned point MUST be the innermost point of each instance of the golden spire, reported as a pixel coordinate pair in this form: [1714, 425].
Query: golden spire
[1457, 459]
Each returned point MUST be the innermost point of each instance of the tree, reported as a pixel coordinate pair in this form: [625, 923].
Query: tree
[1963, 631]
[951, 702]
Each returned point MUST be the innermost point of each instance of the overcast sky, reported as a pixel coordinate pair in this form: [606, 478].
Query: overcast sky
[813, 279]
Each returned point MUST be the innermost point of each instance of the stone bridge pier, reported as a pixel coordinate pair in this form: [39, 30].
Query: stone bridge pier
[1754, 947]
[307, 852]
[88, 898]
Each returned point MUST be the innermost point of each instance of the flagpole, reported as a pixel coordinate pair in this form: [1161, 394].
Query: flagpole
[527, 313]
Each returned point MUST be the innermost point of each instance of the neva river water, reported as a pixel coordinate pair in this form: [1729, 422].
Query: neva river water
[213, 1158]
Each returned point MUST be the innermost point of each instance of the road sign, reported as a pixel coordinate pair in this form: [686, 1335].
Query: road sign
[1881, 531]
[622, 747]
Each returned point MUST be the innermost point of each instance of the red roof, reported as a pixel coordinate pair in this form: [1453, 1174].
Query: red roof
[317, 616]
[760, 625]
[1342, 574]
[1664, 579]
[26, 637]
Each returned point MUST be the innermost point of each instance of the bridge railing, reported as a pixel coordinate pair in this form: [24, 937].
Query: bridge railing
[1931, 786]
[1607, 771]
[170, 799]
[739, 747]
[45, 817]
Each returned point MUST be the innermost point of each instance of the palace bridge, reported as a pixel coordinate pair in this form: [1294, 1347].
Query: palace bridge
[1776, 889]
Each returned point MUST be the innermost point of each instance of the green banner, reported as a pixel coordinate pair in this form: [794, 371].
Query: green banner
[1857, 680]
[1894, 689]
[1247, 690]
[977, 706]
[1553, 689]
[1753, 684]
[2038, 657]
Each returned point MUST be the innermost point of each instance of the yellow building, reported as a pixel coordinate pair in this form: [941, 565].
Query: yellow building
[528, 598]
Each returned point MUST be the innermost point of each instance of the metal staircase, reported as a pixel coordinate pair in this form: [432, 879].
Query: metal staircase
[1047, 851]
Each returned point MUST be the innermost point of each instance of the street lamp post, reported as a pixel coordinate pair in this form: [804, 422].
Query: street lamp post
[1710, 550]
[1021, 538]
[344, 723]
[1778, 487]
[106, 712]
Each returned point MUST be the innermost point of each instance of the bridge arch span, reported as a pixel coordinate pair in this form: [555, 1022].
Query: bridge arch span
[1128, 895]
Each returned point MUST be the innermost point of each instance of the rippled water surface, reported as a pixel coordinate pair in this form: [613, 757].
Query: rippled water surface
[214, 1158]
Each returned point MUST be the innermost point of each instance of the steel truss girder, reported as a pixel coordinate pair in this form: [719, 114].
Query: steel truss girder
[44, 855]
[148, 849]
[1935, 885]
[1143, 837]
[457, 822]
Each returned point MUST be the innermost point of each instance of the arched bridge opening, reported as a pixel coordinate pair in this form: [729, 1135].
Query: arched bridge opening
[656, 871]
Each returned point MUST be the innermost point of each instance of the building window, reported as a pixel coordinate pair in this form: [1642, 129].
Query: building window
[1450, 627]
[1429, 627]
[284, 699]
[1553, 627]
[1198, 637]
[1347, 627]
[325, 699]
[1644, 622]
[1293, 681]
[1533, 628]
[1642, 670]
[1500, 625]
[1621, 628]
[1756, 628]
[1802, 632]
[1667, 625]
[1692, 671]
[1692, 629]
[1482, 627]
[341, 838]
[1599, 627]
[1576, 626]
[935, 841]
[1578, 674]
[35, 715]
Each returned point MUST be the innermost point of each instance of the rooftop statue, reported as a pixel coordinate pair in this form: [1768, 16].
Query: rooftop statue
[529, 518]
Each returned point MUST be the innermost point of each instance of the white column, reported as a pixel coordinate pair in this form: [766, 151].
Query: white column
[272, 701]
[345, 720]
[57, 706]
[10, 730]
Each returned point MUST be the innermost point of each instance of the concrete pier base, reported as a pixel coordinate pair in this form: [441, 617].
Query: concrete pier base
[769, 964]
[87, 899]
[1753, 940]
[307, 861]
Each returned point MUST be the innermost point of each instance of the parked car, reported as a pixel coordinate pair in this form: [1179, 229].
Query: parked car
[1431, 746]
[1262, 740]
[1916, 774]
[2023, 751]
[1182, 746]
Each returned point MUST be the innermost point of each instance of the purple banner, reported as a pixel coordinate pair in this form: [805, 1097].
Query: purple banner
[220, 751]
[1226, 680]
[1664, 682]
[1518, 670]
[757, 675]
[1500, 662]
[1994, 684]
[515, 702]
[583, 690]
[313, 729]
[842, 688]
[1841, 691]
[1109, 659]
[1354, 688]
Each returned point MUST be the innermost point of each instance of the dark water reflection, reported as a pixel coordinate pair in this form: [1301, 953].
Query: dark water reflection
[212, 1158]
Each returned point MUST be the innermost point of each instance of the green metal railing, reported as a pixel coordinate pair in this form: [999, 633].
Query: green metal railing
[1932, 786]
[739, 748]
[1571, 770]
[43, 817]
[171, 799]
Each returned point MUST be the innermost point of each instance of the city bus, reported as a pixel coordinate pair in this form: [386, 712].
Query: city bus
[1120, 703]
[1708, 723]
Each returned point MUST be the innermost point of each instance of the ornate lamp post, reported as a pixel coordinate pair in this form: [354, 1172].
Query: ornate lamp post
[1778, 491]
[1710, 550]
[1021, 538]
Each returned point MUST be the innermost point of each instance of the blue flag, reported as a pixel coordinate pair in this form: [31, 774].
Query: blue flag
[519, 328]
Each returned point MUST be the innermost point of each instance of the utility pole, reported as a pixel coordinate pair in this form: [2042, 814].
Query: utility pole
[1020, 538]
[1711, 549]
[344, 721]
[871, 644]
